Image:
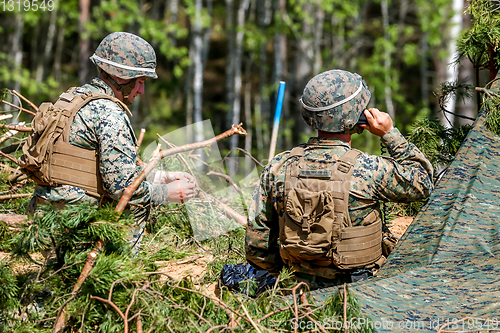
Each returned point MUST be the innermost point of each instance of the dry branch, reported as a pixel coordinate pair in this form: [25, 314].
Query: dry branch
[141, 137]
[14, 220]
[10, 157]
[127, 194]
[17, 128]
[18, 107]
[227, 178]
[25, 99]
[15, 196]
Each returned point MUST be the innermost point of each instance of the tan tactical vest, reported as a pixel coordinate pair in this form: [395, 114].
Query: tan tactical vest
[48, 157]
[315, 229]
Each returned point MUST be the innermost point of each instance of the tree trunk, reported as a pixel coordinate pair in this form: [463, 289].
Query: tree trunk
[262, 109]
[280, 65]
[59, 50]
[51, 33]
[248, 117]
[424, 71]
[198, 72]
[231, 43]
[237, 68]
[452, 69]
[17, 54]
[466, 75]
[304, 61]
[387, 60]
[84, 43]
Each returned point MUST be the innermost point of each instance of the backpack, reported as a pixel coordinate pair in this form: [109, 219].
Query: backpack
[48, 157]
[315, 228]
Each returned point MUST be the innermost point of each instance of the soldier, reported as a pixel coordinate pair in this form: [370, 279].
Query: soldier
[125, 62]
[316, 210]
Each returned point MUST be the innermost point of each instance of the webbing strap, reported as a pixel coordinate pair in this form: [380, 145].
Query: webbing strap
[360, 231]
[368, 256]
[73, 103]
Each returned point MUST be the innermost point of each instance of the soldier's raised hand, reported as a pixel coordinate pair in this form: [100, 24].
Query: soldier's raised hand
[379, 123]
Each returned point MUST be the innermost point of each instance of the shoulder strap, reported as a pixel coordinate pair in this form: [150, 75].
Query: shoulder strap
[73, 103]
[292, 169]
[342, 170]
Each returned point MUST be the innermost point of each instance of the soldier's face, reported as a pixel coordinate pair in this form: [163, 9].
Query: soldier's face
[138, 89]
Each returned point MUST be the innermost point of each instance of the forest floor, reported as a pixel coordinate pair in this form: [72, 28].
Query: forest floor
[195, 266]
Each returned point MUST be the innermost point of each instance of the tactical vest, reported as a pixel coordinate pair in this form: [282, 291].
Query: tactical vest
[315, 228]
[48, 157]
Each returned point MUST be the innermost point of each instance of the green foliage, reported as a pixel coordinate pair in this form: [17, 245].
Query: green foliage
[492, 106]
[75, 228]
[480, 43]
[438, 143]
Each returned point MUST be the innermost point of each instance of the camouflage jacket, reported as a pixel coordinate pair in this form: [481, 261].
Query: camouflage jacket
[404, 177]
[102, 125]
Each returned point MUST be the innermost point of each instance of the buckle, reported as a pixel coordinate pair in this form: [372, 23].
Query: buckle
[344, 167]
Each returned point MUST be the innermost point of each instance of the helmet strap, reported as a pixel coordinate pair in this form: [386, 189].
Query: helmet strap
[125, 88]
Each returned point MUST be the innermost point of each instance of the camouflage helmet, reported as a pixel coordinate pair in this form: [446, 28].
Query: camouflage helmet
[126, 56]
[334, 100]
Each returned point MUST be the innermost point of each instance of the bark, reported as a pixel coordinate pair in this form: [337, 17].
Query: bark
[231, 43]
[248, 117]
[59, 50]
[14, 220]
[198, 72]
[51, 33]
[84, 42]
[262, 101]
[466, 75]
[387, 60]
[188, 91]
[242, 10]
[424, 71]
[17, 52]
[452, 69]
[280, 63]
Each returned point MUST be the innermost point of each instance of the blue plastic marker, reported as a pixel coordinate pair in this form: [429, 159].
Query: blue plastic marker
[277, 118]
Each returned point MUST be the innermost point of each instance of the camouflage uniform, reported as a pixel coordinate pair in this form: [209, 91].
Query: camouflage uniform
[103, 126]
[404, 177]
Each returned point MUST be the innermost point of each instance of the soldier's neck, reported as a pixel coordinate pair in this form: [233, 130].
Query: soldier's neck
[343, 137]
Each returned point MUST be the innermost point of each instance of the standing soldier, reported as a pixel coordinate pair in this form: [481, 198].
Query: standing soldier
[316, 210]
[94, 153]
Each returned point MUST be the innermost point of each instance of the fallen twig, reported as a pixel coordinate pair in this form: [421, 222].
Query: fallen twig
[14, 220]
[15, 196]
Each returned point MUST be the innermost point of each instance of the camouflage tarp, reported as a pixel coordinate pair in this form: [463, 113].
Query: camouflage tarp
[446, 265]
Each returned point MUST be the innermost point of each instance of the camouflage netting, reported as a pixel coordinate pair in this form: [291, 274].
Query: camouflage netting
[446, 265]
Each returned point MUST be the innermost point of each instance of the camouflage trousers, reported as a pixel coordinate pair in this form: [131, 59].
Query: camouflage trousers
[140, 213]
